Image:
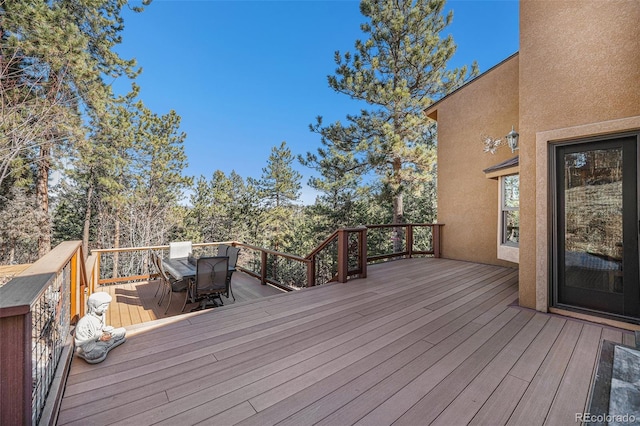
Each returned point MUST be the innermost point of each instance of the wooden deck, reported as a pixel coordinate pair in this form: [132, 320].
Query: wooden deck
[137, 303]
[420, 341]
[7, 272]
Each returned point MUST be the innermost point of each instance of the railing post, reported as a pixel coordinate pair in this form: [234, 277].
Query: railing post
[97, 275]
[343, 255]
[311, 272]
[409, 240]
[263, 267]
[75, 287]
[435, 235]
[15, 369]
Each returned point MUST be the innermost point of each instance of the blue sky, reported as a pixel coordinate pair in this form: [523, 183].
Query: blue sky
[247, 75]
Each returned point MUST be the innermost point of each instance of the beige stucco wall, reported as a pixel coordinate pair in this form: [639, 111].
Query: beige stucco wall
[467, 201]
[579, 65]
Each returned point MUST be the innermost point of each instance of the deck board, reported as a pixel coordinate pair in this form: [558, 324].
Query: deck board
[418, 341]
[574, 387]
[439, 398]
[542, 389]
[469, 402]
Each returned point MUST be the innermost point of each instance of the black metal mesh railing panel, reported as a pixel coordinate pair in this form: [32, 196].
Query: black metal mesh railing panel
[279, 269]
[50, 328]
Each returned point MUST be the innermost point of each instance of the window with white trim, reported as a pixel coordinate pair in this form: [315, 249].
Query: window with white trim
[510, 210]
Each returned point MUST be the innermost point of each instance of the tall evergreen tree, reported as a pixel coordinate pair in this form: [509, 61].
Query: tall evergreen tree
[158, 180]
[399, 70]
[279, 191]
[340, 186]
[198, 220]
[56, 55]
[102, 167]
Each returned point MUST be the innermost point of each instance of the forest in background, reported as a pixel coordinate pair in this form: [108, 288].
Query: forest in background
[79, 162]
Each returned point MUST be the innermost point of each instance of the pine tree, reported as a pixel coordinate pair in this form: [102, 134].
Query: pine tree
[102, 169]
[279, 191]
[55, 55]
[340, 185]
[158, 181]
[198, 220]
[398, 72]
[20, 232]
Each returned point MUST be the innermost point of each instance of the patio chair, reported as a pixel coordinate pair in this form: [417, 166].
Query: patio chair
[211, 280]
[180, 249]
[165, 279]
[222, 249]
[168, 283]
[232, 253]
[154, 261]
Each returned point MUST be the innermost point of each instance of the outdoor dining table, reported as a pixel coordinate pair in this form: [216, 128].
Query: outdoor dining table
[180, 268]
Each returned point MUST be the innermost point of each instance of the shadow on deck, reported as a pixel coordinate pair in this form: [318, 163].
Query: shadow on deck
[420, 341]
[137, 303]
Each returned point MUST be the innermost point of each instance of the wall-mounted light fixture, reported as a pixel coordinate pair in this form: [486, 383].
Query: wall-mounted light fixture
[512, 139]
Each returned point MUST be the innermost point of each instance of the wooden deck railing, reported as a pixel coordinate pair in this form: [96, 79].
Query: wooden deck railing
[412, 238]
[37, 309]
[344, 254]
[128, 264]
[286, 271]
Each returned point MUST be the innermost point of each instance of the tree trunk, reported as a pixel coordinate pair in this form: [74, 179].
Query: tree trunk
[398, 217]
[42, 193]
[116, 243]
[398, 208]
[87, 222]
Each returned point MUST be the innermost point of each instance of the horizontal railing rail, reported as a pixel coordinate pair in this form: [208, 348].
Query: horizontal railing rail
[37, 309]
[342, 255]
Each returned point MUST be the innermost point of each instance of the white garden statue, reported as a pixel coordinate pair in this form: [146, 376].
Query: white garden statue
[94, 339]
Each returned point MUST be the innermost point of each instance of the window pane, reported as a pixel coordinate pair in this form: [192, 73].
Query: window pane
[593, 219]
[511, 227]
[511, 191]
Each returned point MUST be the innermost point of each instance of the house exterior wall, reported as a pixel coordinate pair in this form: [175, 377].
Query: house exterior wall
[577, 75]
[579, 65]
[467, 201]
